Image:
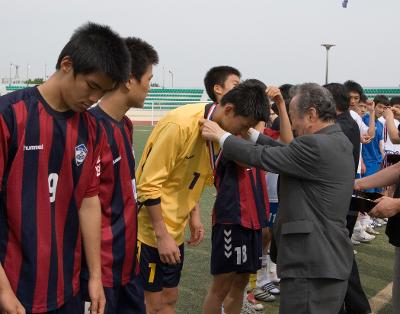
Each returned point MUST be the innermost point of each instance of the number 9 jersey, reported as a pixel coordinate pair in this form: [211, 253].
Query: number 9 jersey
[48, 165]
[173, 171]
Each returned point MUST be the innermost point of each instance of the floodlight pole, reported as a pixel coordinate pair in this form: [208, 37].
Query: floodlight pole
[327, 47]
[172, 78]
[11, 64]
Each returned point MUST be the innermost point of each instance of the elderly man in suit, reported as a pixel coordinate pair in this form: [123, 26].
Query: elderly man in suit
[316, 180]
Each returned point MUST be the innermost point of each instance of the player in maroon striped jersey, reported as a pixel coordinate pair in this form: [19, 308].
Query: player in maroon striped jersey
[49, 169]
[120, 270]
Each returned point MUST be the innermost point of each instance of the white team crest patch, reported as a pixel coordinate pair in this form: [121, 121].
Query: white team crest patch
[80, 154]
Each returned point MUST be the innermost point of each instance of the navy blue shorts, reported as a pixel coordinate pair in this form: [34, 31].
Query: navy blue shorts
[155, 274]
[124, 299]
[235, 249]
[73, 305]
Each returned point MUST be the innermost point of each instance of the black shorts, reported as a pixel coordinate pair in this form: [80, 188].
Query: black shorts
[125, 299]
[155, 274]
[235, 249]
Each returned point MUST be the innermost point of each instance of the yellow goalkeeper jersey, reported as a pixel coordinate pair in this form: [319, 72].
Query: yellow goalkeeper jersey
[173, 170]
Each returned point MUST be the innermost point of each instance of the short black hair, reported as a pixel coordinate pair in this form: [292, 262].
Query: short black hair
[96, 48]
[395, 100]
[382, 99]
[363, 98]
[249, 99]
[340, 96]
[217, 76]
[354, 87]
[312, 95]
[142, 56]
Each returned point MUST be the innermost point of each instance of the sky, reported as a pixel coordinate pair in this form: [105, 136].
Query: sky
[276, 41]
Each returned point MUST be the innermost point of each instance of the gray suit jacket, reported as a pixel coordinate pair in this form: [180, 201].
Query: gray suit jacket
[316, 182]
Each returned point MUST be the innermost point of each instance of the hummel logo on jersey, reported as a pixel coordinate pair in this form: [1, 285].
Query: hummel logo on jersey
[33, 147]
[189, 157]
[80, 154]
[116, 160]
[228, 244]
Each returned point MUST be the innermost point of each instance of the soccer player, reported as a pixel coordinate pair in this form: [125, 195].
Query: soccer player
[372, 152]
[172, 173]
[240, 212]
[123, 290]
[49, 169]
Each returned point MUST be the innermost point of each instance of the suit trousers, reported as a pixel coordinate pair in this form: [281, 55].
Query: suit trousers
[396, 282]
[356, 301]
[311, 296]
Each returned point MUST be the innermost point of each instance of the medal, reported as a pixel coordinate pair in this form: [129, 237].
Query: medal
[210, 180]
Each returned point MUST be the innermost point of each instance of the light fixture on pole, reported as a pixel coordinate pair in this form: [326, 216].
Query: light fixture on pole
[327, 47]
[28, 67]
[172, 78]
[9, 82]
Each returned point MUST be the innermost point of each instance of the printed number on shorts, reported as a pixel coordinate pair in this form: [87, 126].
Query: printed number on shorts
[241, 255]
[152, 267]
[53, 180]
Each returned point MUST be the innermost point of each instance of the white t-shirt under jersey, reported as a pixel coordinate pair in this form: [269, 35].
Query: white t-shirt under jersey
[388, 146]
[363, 131]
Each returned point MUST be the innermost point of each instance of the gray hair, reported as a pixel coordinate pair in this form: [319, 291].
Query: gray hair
[312, 95]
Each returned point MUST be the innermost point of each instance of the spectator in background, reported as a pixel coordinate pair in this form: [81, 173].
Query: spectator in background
[355, 300]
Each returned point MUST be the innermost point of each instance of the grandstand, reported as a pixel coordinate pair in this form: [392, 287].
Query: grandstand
[160, 100]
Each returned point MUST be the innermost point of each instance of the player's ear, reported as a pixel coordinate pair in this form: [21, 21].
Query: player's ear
[130, 82]
[66, 64]
[229, 109]
[218, 90]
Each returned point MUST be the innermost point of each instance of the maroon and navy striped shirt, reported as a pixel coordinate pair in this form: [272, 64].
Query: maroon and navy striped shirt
[49, 162]
[242, 197]
[118, 201]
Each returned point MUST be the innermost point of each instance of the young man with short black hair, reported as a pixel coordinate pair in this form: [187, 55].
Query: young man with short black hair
[173, 171]
[120, 270]
[49, 168]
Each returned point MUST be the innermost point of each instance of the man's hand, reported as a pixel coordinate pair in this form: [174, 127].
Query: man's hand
[388, 113]
[274, 93]
[210, 130]
[370, 106]
[365, 139]
[386, 207]
[9, 303]
[168, 250]
[97, 297]
[357, 186]
[196, 230]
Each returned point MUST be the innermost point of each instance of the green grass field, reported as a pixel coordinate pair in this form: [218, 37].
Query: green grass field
[375, 260]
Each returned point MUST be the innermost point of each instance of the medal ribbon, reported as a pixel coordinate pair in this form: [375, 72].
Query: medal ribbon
[213, 161]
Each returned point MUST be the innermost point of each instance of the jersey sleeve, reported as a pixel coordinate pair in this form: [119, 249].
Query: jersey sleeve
[95, 171]
[158, 160]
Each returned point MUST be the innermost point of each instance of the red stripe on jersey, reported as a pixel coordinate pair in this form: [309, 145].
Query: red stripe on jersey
[246, 197]
[271, 133]
[107, 181]
[13, 258]
[43, 215]
[130, 211]
[3, 146]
